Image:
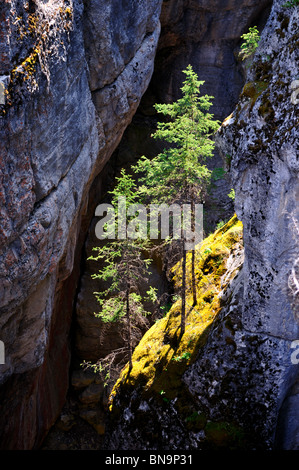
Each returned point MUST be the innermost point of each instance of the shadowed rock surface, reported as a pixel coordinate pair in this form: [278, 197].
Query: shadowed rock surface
[57, 133]
[243, 385]
[207, 35]
[75, 72]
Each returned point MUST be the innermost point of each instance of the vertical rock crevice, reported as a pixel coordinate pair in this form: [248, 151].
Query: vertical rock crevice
[66, 121]
[177, 47]
[244, 383]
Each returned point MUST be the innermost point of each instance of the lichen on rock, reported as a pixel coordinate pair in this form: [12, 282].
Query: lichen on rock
[163, 355]
[261, 137]
[241, 388]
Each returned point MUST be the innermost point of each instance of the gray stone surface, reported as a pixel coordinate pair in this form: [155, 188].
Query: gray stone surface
[57, 133]
[262, 138]
[207, 35]
[114, 32]
[84, 81]
[245, 378]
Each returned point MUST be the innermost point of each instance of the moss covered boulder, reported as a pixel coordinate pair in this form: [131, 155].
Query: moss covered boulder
[153, 391]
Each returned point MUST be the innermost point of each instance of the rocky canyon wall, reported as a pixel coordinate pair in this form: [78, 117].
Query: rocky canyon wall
[74, 73]
[243, 385]
[262, 138]
[207, 35]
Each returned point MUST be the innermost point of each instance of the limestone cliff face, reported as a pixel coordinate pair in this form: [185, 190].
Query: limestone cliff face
[243, 385]
[74, 73]
[206, 35]
[262, 138]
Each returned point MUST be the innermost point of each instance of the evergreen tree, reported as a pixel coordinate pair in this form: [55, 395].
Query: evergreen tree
[181, 167]
[123, 265]
[179, 173]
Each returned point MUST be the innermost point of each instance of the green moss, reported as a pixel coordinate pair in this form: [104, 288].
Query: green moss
[253, 90]
[162, 355]
[291, 3]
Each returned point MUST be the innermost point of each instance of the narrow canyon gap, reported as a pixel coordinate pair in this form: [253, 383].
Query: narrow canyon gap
[82, 77]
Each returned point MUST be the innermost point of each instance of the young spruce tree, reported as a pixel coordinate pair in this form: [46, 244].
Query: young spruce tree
[179, 174]
[123, 264]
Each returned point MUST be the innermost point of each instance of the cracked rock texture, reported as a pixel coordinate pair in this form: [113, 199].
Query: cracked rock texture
[75, 72]
[243, 385]
[262, 138]
[207, 36]
[74, 79]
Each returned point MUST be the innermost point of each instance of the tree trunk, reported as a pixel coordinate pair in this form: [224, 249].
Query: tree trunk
[129, 328]
[193, 254]
[183, 315]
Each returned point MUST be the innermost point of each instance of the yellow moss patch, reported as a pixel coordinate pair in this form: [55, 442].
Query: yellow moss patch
[253, 90]
[162, 356]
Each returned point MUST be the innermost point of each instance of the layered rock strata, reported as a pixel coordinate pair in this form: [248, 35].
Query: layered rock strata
[65, 111]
